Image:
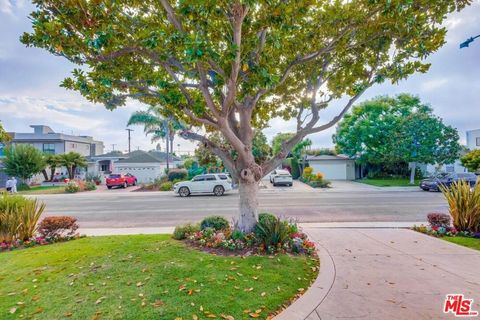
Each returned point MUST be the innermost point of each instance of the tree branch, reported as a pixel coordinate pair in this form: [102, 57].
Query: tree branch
[172, 17]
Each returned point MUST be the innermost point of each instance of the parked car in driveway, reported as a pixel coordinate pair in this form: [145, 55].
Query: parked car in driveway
[446, 179]
[281, 177]
[120, 180]
[216, 183]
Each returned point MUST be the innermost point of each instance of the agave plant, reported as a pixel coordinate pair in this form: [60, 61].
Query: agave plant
[464, 205]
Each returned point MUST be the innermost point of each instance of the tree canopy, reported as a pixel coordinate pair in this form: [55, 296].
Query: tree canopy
[471, 160]
[230, 66]
[396, 130]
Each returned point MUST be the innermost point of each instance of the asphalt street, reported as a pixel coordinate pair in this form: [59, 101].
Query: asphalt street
[156, 209]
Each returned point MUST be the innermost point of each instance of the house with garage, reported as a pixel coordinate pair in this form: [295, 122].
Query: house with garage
[146, 166]
[334, 167]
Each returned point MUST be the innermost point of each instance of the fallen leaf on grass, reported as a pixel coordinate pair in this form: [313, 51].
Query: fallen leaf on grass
[227, 317]
[194, 317]
[139, 284]
[157, 303]
[13, 310]
[99, 300]
[248, 290]
[68, 314]
[254, 315]
[38, 310]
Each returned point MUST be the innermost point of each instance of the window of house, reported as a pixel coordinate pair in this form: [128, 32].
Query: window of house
[104, 167]
[49, 148]
[478, 142]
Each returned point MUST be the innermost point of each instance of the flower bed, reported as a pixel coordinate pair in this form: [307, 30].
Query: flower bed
[36, 241]
[314, 180]
[272, 235]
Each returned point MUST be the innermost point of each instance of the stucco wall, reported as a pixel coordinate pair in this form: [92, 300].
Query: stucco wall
[334, 169]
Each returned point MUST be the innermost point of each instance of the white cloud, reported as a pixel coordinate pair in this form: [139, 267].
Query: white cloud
[433, 84]
[6, 7]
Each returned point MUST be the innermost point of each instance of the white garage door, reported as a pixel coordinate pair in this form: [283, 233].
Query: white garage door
[331, 170]
[144, 174]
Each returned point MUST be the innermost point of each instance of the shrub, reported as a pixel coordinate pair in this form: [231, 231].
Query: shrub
[214, 222]
[93, 177]
[272, 233]
[181, 232]
[72, 187]
[464, 205]
[59, 226]
[177, 174]
[262, 217]
[90, 186]
[439, 220]
[18, 217]
[166, 186]
[237, 235]
[319, 184]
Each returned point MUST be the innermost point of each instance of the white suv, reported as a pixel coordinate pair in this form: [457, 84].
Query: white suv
[279, 177]
[216, 183]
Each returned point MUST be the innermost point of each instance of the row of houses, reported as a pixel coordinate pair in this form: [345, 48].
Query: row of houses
[341, 167]
[146, 166]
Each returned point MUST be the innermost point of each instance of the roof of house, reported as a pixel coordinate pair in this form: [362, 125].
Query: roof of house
[329, 157]
[148, 157]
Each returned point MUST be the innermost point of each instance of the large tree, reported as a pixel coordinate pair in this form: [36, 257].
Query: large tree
[232, 65]
[23, 161]
[392, 131]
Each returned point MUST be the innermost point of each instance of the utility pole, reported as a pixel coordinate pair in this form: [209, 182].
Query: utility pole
[113, 146]
[129, 139]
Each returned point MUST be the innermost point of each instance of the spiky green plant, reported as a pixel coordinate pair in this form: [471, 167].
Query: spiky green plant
[19, 217]
[464, 205]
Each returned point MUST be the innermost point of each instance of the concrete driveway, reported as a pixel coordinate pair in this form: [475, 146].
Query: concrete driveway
[386, 274]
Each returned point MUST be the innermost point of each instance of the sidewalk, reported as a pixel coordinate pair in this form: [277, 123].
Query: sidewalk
[386, 274]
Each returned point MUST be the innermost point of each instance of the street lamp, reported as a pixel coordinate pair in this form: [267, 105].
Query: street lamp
[467, 42]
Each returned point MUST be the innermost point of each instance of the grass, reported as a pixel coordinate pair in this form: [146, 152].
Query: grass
[44, 190]
[144, 277]
[473, 243]
[388, 182]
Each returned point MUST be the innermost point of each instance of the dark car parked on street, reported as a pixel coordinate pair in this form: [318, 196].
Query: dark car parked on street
[446, 179]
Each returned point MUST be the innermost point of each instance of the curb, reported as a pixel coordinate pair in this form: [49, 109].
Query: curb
[305, 307]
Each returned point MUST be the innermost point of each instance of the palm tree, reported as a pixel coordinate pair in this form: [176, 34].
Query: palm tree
[72, 161]
[158, 126]
[53, 161]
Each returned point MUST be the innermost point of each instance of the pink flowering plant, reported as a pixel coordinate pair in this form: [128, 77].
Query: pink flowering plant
[272, 235]
[439, 225]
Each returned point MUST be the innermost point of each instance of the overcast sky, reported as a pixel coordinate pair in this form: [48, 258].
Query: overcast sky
[30, 92]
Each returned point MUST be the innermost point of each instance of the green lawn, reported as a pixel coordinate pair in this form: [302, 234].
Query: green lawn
[388, 182]
[144, 277]
[473, 243]
[44, 190]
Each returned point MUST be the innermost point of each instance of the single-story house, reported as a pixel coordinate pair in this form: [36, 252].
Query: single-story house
[146, 166]
[338, 167]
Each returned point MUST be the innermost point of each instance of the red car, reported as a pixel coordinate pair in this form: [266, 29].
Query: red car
[121, 180]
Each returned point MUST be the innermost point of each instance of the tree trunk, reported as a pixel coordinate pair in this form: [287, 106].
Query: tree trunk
[248, 192]
[413, 167]
[45, 175]
[52, 173]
